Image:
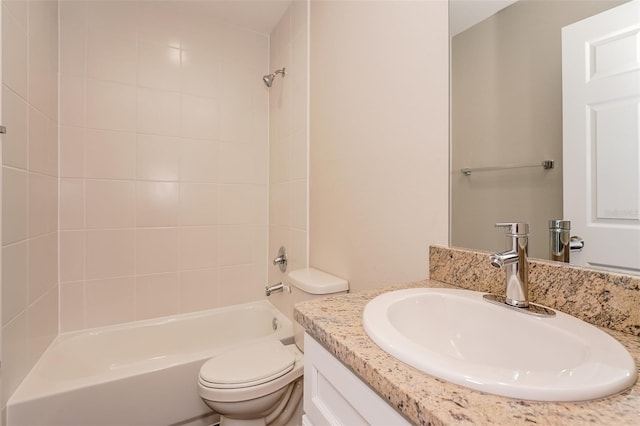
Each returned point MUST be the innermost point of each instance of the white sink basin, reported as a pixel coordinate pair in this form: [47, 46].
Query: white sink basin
[458, 336]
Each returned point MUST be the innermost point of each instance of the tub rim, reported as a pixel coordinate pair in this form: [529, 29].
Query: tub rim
[33, 387]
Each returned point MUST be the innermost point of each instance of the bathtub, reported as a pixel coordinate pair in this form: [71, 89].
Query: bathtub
[139, 373]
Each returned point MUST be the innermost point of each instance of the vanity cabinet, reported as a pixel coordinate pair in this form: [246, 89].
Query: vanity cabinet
[333, 395]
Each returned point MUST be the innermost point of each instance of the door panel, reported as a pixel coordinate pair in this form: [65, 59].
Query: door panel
[601, 136]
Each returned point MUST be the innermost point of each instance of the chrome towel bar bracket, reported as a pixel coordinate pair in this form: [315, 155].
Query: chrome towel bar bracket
[546, 164]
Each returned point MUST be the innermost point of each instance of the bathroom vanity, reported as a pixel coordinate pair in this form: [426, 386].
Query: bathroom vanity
[334, 395]
[608, 301]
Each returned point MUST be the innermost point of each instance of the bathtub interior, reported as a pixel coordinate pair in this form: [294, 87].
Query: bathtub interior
[90, 357]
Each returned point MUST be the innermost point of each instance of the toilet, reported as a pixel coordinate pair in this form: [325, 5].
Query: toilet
[253, 384]
[261, 383]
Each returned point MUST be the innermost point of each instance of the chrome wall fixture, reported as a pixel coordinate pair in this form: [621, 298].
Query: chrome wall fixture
[276, 288]
[281, 260]
[546, 164]
[268, 79]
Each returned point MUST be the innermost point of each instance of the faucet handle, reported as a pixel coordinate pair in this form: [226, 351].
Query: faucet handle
[281, 260]
[514, 229]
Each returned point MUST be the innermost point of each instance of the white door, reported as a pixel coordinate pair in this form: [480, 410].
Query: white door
[601, 137]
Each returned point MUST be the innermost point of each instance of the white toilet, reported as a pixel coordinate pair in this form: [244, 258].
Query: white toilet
[261, 383]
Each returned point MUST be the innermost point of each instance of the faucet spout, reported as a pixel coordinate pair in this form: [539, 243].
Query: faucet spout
[515, 263]
[500, 260]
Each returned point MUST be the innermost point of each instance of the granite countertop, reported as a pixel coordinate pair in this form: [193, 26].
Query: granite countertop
[336, 323]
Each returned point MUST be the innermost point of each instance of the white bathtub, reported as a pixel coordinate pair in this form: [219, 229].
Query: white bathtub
[140, 373]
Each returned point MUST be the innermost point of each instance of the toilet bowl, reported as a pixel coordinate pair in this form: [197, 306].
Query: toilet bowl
[261, 383]
[256, 384]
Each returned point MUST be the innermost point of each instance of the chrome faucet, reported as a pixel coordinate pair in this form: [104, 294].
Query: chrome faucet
[561, 243]
[559, 240]
[273, 288]
[516, 264]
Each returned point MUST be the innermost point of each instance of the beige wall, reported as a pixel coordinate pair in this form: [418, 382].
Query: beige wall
[288, 146]
[164, 162]
[164, 155]
[379, 129]
[29, 186]
[507, 109]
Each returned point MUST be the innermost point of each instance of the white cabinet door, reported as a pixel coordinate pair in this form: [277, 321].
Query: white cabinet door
[333, 395]
[601, 140]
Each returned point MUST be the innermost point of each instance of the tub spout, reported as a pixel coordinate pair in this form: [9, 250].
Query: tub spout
[273, 288]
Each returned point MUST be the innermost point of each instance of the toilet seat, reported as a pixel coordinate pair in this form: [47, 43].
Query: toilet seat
[245, 388]
[248, 365]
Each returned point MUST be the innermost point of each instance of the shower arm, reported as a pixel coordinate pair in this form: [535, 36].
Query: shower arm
[268, 79]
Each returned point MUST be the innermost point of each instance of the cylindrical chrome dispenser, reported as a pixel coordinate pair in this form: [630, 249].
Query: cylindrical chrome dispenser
[559, 240]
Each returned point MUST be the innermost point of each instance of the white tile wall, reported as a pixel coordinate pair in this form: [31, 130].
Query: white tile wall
[288, 139]
[164, 159]
[29, 186]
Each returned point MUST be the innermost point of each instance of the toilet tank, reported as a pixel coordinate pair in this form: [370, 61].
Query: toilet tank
[311, 283]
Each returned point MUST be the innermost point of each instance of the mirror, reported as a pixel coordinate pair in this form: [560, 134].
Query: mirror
[506, 116]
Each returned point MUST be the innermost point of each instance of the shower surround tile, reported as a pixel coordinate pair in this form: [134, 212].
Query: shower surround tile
[289, 144]
[145, 197]
[30, 184]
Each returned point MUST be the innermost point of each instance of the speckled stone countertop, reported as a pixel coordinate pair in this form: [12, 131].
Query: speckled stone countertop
[336, 323]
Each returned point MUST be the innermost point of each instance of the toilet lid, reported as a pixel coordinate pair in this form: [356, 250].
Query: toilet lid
[248, 365]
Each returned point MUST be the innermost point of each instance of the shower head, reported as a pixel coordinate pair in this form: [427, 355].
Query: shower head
[268, 79]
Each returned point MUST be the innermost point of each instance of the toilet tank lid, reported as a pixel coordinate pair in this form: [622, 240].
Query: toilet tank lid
[314, 281]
